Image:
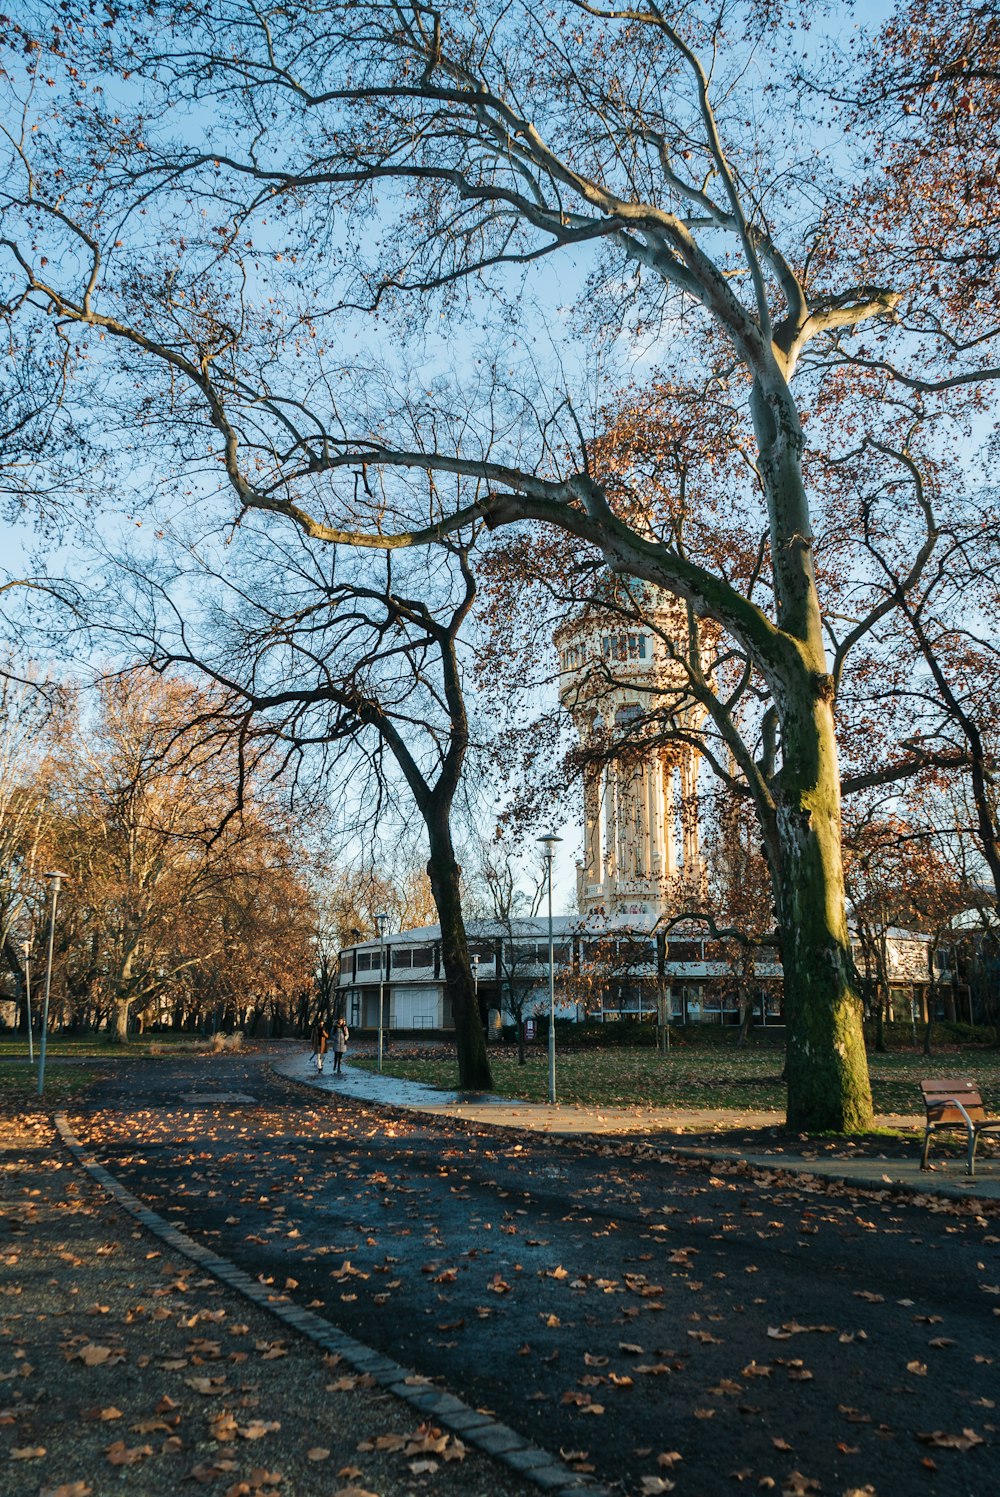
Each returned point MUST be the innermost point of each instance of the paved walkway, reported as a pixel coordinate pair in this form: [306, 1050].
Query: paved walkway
[857, 1164]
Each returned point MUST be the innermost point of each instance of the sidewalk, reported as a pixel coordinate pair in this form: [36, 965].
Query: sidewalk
[855, 1163]
[135, 1360]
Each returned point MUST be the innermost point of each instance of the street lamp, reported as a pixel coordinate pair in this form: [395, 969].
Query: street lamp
[27, 997]
[474, 961]
[56, 884]
[548, 852]
[381, 921]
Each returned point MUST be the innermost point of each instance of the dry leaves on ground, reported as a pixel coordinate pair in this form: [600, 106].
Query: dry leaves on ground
[942, 1441]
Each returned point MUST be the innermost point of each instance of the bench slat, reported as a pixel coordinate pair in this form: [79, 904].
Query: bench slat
[937, 1095]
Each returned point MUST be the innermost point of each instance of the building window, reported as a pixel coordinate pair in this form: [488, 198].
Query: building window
[412, 956]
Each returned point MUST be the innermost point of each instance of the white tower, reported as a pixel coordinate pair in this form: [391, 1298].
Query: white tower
[642, 853]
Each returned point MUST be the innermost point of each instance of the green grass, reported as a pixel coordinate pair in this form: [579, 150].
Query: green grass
[19, 1082]
[98, 1045]
[695, 1078]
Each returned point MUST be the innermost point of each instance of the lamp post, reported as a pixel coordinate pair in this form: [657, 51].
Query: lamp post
[56, 884]
[381, 921]
[27, 997]
[548, 852]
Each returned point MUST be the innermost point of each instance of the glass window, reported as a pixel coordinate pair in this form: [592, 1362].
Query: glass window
[683, 951]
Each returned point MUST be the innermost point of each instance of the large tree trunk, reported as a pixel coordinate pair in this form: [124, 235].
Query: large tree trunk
[443, 871]
[121, 1015]
[826, 1065]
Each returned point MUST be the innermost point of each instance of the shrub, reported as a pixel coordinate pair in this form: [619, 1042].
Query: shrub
[221, 1042]
[964, 1034]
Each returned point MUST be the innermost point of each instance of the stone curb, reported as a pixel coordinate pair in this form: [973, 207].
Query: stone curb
[764, 1163]
[496, 1440]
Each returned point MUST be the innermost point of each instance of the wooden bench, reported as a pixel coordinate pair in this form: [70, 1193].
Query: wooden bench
[955, 1104]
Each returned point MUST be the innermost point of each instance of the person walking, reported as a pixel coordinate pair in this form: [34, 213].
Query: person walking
[341, 1034]
[320, 1037]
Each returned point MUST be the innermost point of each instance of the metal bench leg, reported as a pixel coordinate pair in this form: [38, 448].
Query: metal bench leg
[927, 1145]
[973, 1141]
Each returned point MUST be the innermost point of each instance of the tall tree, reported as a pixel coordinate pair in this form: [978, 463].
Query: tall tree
[481, 141]
[370, 680]
[167, 877]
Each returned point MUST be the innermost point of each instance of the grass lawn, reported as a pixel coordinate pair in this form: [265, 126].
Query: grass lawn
[16, 1047]
[694, 1078]
[19, 1083]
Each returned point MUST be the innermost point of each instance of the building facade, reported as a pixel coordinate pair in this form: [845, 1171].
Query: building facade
[642, 865]
[606, 969]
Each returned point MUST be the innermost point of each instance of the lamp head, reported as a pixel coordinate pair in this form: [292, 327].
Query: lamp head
[549, 845]
[381, 921]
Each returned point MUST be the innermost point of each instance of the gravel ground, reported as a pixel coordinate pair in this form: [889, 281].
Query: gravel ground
[122, 1368]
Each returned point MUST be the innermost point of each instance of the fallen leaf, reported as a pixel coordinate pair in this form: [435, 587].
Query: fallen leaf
[223, 1427]
[797, 1485]
[941, 1441]
[68, 1489]
[208, 1387]
[27, 1452]
[119, 1454]
[318, 1453]
[258, 1428]
[93, 1355]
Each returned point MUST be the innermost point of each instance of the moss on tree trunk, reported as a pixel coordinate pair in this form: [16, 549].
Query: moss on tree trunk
[826, 1064]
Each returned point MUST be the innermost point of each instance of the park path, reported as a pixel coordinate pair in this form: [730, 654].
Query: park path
[719, 1134]
[648, 1317]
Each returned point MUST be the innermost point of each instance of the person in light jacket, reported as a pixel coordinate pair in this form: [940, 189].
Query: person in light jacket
[341, 1034]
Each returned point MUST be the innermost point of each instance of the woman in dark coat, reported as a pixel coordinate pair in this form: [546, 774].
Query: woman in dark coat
[320, 1036]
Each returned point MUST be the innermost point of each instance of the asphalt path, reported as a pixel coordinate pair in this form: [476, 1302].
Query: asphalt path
[649, 1318]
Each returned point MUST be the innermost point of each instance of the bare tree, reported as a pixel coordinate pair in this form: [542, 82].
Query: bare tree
[485, 140]
[352, 673]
